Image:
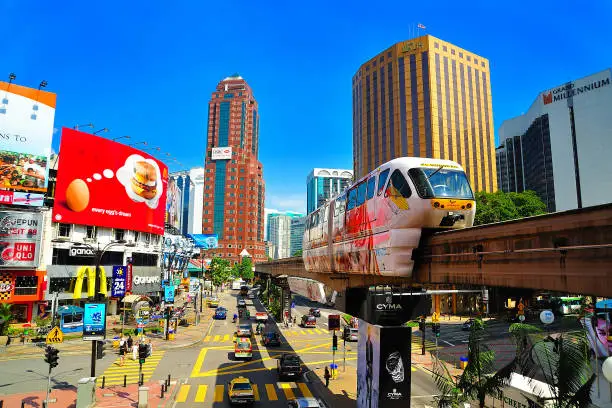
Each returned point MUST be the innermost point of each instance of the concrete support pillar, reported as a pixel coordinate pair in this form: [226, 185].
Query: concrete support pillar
[454, 301]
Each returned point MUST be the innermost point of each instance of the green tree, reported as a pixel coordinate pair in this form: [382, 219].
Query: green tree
[500, 206]
[235, 271]
[246, 268]
[220, 270]
[5, 317]
[478, 380]
[562, 360]
[298, 253]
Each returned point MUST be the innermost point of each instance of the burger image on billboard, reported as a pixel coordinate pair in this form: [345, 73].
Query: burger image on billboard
[108, 184]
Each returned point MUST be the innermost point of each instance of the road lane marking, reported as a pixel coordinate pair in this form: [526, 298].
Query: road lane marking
[305, 391]
[207, 338]
[183, 393]
[303, 332]
[310, 331]
[201, 394]
[219, 390]
[256, 392]
[197, 367]
[294, 333]
[216, 339]
[226, 337]
[271, 392]
[450, 344]
[287, 389]
[318, 331]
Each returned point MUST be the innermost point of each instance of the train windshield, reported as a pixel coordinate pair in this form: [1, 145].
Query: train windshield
[440, 182]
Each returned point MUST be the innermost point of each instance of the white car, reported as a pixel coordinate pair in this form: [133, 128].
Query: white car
[306, 403]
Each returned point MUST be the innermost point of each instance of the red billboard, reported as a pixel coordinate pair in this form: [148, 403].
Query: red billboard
[108, 184]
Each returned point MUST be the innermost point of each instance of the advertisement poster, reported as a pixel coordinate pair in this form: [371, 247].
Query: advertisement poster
[119, 277]
[108, 184]
[169, 293]
[368, 365]
[173, 204]
[26, 128]
[221, 153]
[9, 197]
[20, 234]
[205, 241]
[94, 321]
[383, 367]
[311, 289]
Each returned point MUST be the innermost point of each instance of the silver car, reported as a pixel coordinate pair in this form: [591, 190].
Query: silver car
[306, 403]
[244, 330]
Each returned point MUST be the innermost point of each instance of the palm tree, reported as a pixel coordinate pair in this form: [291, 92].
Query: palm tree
[5, 317]
[562, 360]
[478, 380]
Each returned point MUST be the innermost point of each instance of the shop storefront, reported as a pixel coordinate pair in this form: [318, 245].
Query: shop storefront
[146, 281]
[24, 290]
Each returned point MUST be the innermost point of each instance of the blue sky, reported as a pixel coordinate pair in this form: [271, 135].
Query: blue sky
[147, 69]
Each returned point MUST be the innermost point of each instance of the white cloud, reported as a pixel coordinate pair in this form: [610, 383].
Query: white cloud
[290, 202]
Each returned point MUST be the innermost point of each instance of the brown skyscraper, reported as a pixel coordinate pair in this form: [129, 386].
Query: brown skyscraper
[233, 186]
[425, 98]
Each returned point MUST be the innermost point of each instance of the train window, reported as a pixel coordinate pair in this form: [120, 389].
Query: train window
[398, 186]
[422, 185]
[382, 179]
[371, 187]
[352, 199]
[361, 193]
[341, 203]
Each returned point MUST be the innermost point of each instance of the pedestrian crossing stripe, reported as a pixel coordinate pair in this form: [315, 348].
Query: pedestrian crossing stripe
[266, 392]
[115, 373]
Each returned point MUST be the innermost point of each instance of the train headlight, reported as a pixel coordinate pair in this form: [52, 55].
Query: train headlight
[469, 205]
[436, 204]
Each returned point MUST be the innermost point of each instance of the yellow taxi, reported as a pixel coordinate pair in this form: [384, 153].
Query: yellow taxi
[212, 302]
[240, 391]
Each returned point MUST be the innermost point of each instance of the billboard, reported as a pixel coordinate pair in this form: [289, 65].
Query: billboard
[20, 234]
[94, 321]
[26, 128]
[9, 197]
[205, 241]
[383, 366]
[108, 184]
[173, 204]
[221, 153]
[118, 284]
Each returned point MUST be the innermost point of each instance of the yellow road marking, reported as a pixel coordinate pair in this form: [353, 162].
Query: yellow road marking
[305, 391]
[310, 331]
[226, 337]
[207, 338]
[318, 331]
[271, 392]
[303, 332]
[256, 392]
[198, 364]
[218, 393]
[286, 387]
[217, 338]
[183, 392]
[201, 394]
[294, 333]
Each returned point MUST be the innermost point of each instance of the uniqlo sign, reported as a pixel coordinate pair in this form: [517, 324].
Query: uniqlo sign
[20, 234]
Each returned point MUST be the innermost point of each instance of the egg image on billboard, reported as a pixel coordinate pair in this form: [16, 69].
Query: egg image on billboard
[142, 180]
[77, 195]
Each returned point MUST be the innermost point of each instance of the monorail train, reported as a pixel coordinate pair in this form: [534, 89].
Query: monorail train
[374, 225]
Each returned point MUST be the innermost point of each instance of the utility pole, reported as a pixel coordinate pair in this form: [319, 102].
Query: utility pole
[422, 329]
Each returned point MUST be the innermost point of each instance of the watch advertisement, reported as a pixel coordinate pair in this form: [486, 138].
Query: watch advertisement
[383, 366]
[94, 321]
[111, 185]
[20, 234]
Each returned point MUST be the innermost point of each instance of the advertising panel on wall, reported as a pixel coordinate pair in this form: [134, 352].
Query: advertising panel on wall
[110, 185]
[173, 204]
[118, 284]
[20, 234]
[205, 241]
[26, 128]
[383, 367]
[94, 321]
[221, 153]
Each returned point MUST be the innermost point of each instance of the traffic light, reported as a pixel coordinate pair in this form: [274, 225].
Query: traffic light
[100, 349]
[335, 342]
[142, 353]
[436, 329]
[51, 356]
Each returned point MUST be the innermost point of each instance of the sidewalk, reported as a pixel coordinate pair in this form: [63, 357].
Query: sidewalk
[341, 393]
[111, 397]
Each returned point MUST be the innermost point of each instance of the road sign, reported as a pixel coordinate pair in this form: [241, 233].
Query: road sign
[55, 336]
[435, 317]
[521, 318]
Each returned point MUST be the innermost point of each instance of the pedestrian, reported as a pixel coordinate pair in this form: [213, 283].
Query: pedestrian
[122, 350]
[134, 352]
[294, 320]
[130, 342]
[327, 376]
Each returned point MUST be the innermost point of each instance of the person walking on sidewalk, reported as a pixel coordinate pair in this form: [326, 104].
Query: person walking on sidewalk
[327, 376]
[130, 342]
[122, 350]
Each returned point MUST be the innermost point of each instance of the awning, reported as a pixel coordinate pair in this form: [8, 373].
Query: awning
[135, 298]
